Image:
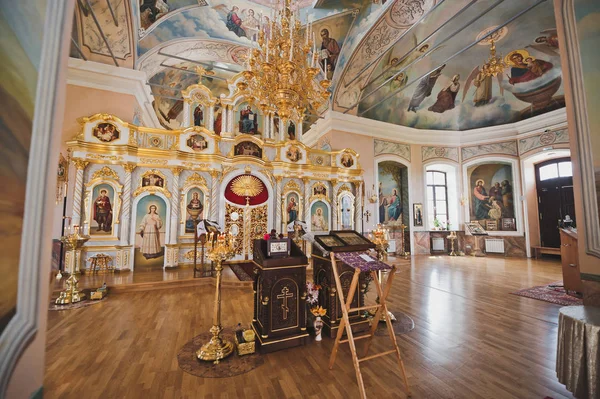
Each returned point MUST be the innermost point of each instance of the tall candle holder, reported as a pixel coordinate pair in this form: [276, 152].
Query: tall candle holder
[221, 247]
[74, 242]
[452, 237]
[402, 246]
[380, 237]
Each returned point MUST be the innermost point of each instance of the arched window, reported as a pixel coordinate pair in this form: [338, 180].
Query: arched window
[437, 197]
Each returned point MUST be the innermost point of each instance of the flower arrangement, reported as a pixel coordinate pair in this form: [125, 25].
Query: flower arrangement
[318, 311]
[312, 293]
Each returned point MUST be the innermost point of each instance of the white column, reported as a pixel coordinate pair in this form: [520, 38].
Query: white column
[80, 164]
[267, 131]
[126, 207]
[230, 120]
[299, 130]
[174, 206]
[306, 207]
[277, 203]
[272, 126]
[334, 205]
[357, 207]
[214, 196]
[282, 130]
[211, 118]
[187, 113]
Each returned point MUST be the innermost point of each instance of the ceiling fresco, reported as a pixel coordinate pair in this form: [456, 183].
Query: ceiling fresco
[415, 63]
[431, 78]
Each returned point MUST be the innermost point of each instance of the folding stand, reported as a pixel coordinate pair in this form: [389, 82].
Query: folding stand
[357, 261]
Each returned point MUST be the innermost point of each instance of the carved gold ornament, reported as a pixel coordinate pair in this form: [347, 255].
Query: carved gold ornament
[105, 172]
[246, 186]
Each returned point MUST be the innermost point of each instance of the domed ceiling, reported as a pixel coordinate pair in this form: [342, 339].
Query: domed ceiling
[415, 63]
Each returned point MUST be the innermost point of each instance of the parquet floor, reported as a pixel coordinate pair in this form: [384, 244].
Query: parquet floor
[472, 340]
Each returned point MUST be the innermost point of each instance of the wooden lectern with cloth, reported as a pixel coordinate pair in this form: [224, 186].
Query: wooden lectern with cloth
[351, 249]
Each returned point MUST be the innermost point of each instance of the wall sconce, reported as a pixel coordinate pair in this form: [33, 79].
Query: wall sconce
[372, 196]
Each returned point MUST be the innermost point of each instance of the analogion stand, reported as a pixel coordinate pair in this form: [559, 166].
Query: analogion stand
[323, 275]
[279, 295]
[362, 263]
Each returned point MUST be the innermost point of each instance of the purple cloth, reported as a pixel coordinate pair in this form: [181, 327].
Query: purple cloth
[354, 260]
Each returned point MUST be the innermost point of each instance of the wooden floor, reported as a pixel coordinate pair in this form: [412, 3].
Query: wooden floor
[472, 340]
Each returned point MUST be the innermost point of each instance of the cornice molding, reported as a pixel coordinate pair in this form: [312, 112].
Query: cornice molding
[120, 80]
[337, 121]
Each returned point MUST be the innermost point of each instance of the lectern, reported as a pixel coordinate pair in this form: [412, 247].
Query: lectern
[344, 240]
[279, 295]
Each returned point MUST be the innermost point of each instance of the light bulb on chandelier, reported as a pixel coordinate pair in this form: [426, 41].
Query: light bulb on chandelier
[282, 73]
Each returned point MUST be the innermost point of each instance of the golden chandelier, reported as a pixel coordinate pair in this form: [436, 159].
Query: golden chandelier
[283, 73]
[494, 65]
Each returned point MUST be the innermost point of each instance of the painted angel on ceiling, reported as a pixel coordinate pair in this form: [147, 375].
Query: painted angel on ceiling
[243, 23]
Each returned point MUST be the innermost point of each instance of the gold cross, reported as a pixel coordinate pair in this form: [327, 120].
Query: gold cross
[285, 294]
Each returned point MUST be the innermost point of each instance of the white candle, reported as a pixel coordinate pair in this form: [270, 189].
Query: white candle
[292, 49]
[325, 70]
[267, 49]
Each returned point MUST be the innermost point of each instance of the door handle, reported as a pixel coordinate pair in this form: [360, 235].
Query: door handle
[566, 245]
[572, 265]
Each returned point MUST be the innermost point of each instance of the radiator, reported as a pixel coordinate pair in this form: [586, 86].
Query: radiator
[437, 244]
[494, 245]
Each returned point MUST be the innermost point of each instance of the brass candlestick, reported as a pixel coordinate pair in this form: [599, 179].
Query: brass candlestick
[219, 251]
[402, 249]
[380, 237]
[452, 237]
[74, 242]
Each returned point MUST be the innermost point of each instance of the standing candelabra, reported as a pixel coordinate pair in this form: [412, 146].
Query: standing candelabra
[452, 237]
[221, 248]
[402, 247]
[74, 242]
[380, 237]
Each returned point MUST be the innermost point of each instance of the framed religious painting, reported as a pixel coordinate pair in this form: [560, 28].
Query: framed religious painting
[354, 239]
[418, 214]
[328, 242]
[278, 248]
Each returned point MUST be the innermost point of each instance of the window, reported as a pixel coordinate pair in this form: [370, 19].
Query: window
[437, 196]
[556, 169]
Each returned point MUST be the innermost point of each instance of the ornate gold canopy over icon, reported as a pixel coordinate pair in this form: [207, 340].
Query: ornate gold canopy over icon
[247, 186]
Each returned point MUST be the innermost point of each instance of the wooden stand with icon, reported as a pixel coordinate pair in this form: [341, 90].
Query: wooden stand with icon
[361, 262]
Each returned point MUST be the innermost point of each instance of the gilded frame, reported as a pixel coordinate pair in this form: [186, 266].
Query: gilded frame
[103, 176]
[195, 180]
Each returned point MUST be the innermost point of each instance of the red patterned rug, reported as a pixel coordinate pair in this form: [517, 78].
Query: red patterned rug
[553, 293]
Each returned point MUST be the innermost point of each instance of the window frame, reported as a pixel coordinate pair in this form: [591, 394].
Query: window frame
[433, 186]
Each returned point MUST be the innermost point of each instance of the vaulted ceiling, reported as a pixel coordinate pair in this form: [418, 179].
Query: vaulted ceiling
[408, 62]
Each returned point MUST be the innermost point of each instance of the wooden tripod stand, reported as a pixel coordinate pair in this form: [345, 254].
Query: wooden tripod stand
[371, 267]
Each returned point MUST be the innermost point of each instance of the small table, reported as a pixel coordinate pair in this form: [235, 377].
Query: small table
[578, 357]
[100, 264]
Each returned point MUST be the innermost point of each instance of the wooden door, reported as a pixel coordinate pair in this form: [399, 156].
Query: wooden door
[554, 183]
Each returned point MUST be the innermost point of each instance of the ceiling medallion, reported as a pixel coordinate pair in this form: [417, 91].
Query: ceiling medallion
[485, 37]
[406, 12]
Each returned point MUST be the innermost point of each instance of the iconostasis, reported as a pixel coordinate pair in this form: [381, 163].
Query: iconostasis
[133, 186]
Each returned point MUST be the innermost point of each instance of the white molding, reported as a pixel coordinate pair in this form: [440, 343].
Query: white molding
[34, 263]
[116, 79]
[338, 121]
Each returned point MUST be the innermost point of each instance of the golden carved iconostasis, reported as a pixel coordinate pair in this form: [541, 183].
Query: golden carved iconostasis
[132, 186]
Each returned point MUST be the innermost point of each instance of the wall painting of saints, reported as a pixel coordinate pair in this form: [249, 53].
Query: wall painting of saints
[248, 148]
[393, 192]
[197, 142]
[151, 218]
[153, 181]
[106, 132]
[194, 201]
[292, 206]
[248, 122]
[319, 217]
[103, 197]
[491, 192]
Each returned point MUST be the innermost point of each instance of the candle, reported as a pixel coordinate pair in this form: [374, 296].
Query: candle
[292, 49]
[325, 70]
[267, 49]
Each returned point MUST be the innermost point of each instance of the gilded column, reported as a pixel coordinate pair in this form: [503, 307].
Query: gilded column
[126, 207]
[334, 205]
[214, 195]
[80, 164]
[306, 181]
[358, 206]
[277, 203]
[175, 205]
